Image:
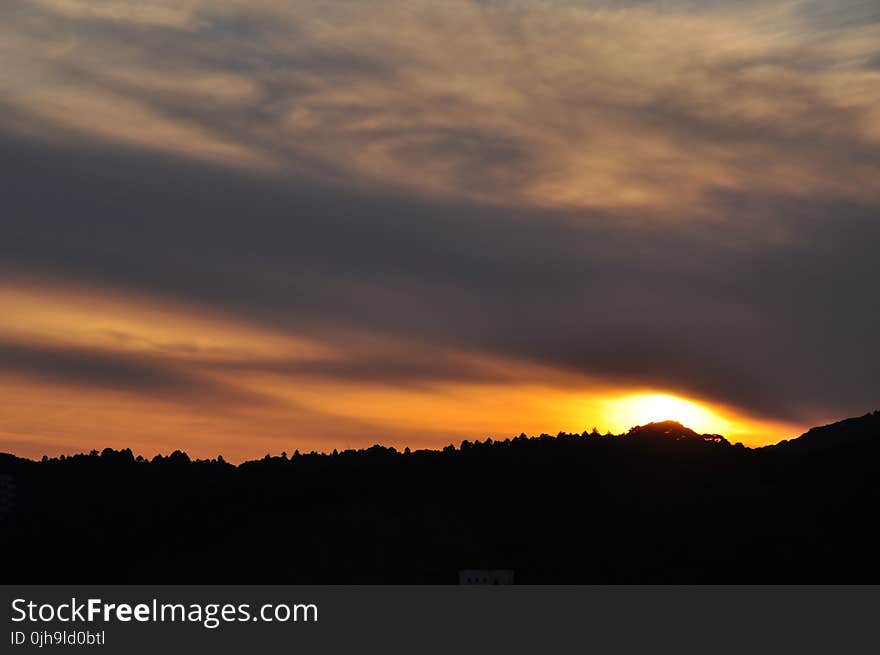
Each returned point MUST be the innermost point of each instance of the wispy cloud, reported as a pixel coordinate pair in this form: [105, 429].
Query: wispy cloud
[620, 106]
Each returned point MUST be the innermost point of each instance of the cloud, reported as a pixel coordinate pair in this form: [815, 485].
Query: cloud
[770, 307]
[393, 368]
[612, 106]
[122, 372]
[680, 195]
[150, 13]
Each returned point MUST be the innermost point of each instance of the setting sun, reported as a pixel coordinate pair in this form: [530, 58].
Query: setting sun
[639, 409]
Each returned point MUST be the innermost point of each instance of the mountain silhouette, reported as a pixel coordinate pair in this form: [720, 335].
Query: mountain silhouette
[847, 433]
[659, 504]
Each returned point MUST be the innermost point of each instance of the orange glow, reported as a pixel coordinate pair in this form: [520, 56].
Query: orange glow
[623, 410]
[253, 408]
[639, 409]
[70, 315]
[586, 111]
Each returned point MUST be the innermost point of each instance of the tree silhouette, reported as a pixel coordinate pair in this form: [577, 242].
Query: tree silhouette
[658, 504]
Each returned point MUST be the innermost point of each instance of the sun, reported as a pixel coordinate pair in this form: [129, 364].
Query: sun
[642, 408]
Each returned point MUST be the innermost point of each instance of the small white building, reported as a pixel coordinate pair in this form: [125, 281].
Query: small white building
[485, 577]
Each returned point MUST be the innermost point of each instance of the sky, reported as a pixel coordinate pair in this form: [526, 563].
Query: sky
[253, 226]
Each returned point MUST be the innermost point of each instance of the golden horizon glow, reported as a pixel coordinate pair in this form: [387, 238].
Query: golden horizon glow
[674, 142]
[251, 409]
[644, 408]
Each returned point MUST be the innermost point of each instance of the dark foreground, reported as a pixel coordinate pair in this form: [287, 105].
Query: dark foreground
[659, 505]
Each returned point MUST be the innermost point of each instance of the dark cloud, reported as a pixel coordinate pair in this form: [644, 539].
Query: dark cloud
[391, 368]
[147, 375]
[842, 14]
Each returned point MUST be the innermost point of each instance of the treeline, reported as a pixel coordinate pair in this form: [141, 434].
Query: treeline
[660, 432]
[659, 504]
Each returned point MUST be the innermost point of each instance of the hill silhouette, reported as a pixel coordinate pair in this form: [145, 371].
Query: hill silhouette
[675, 431]
[659, 504]
[852, 432]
